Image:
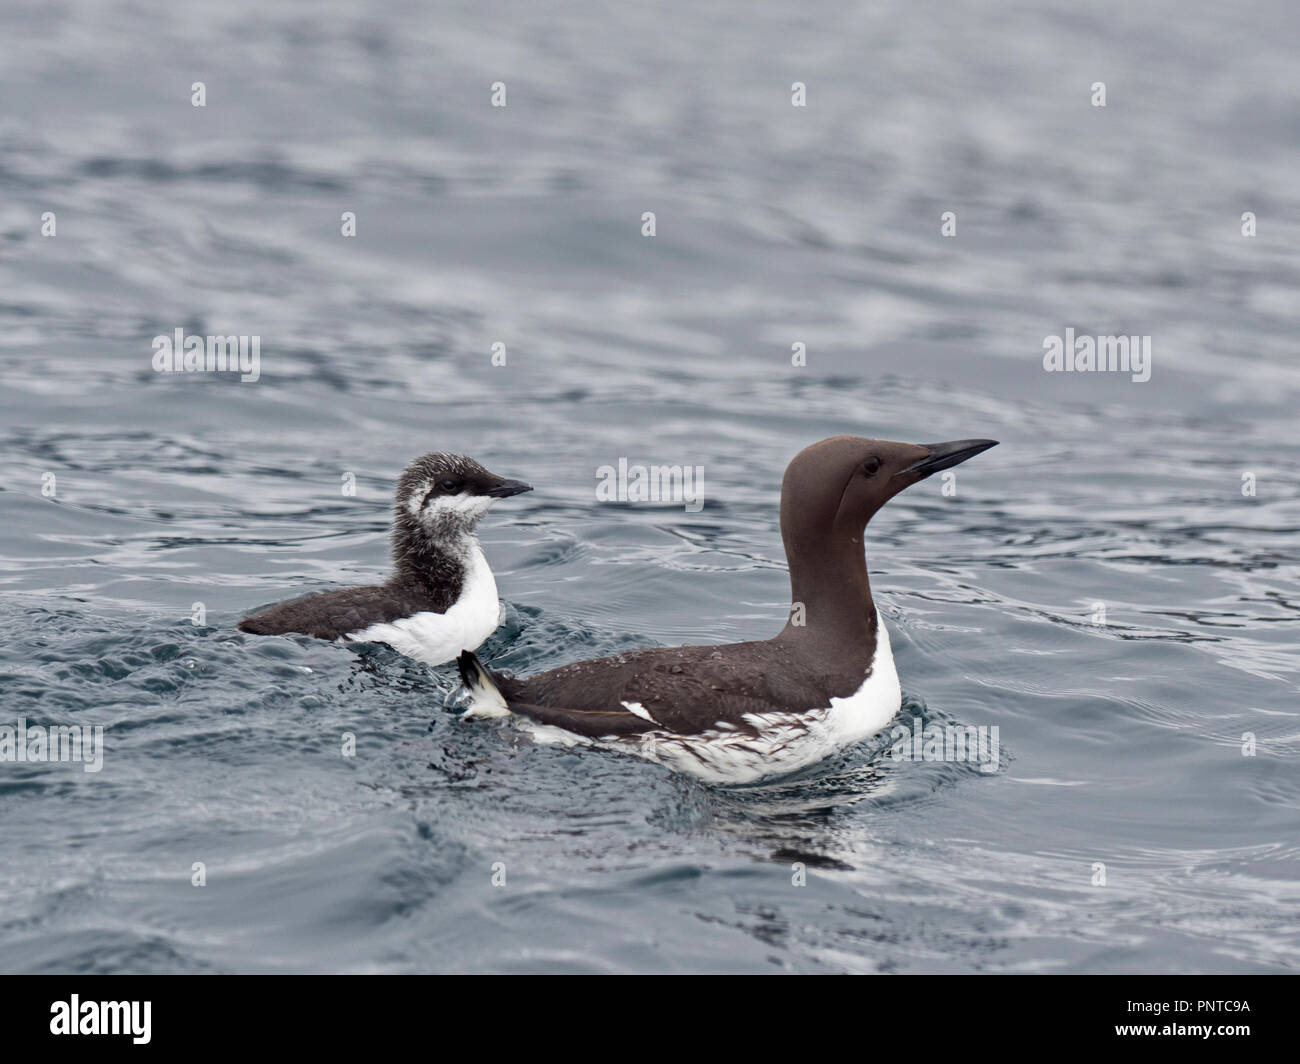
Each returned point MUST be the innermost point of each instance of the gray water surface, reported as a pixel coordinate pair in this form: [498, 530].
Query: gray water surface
[1121, 742]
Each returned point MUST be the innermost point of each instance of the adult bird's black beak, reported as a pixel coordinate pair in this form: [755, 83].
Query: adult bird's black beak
[946, 455]
[507, 488]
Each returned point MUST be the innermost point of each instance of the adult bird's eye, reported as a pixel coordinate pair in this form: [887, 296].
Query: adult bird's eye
[870, 466]
[449, 484]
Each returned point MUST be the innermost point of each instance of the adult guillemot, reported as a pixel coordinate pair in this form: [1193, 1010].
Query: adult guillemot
[739, 712]
[442, 597]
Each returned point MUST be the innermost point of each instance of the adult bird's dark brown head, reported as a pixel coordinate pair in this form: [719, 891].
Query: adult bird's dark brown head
[830, 492]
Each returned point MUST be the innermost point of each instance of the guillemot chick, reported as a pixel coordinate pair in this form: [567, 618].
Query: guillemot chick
[740, 712]
[442, 597]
